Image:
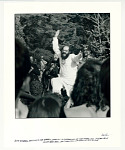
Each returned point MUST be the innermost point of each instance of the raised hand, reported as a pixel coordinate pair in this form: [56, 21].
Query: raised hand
[80, 55]
[57, 33]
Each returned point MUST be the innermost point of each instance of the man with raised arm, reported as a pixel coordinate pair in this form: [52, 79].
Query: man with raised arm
[68, 67]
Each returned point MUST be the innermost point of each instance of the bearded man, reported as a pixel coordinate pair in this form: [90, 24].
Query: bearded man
[68, 67]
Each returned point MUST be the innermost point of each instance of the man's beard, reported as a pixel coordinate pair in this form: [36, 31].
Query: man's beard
[64, 56]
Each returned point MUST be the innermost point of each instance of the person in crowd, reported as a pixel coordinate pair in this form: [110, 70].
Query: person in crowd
[34, 72]
[36, 89]
[22, 67]
[105, 82]
[31, 59]
[43, 64]
[48, 106]
[68, 67]
[86, 95]
[51, 71]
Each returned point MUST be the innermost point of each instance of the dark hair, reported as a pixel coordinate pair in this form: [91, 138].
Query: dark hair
[48, 106]
[36, 88]
[105, 80]
[22, 65]
[93, 63]
[87, 88]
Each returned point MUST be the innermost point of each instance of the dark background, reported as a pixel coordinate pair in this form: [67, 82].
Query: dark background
[87, 32]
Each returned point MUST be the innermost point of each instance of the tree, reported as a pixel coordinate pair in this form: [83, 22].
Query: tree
[81, 31]
[99, 37]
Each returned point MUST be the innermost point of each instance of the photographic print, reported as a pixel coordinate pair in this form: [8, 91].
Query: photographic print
[65, 72]
[61, 87]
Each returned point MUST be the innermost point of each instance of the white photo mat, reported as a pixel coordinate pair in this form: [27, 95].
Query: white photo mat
[25, 133]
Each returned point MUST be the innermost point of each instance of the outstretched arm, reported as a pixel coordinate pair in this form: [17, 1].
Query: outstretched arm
[55, 43]
[57, 33]
[78, 57]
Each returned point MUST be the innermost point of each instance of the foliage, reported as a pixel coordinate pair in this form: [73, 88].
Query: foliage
[47, 55]
[85, 32]
[99, 37]
[19, 34]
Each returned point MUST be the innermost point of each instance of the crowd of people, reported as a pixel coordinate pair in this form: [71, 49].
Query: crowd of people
[61, 88]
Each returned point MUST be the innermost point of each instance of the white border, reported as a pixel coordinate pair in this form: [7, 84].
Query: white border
[14, 129]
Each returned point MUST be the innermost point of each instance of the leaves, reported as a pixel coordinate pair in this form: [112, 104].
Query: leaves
[76, 29]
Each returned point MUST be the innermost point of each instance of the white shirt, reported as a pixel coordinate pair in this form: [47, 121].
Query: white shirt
[68, 67]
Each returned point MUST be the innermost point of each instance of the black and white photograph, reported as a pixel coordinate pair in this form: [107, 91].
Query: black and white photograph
[62, 65]
[62, 75]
